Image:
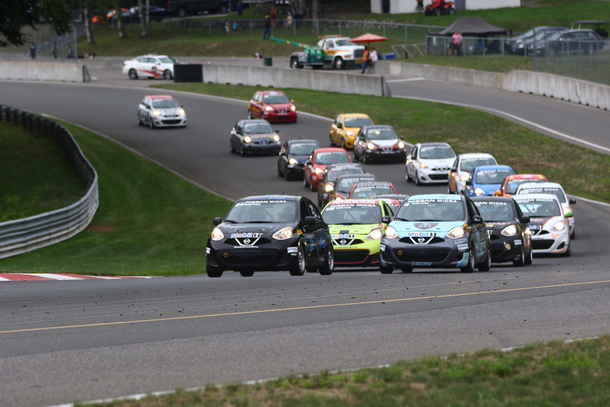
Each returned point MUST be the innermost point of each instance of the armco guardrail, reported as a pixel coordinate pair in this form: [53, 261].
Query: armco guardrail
[24, 235]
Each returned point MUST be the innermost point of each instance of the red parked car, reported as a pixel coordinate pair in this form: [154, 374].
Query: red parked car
[317, 162]
[273, 106]
[511, 183]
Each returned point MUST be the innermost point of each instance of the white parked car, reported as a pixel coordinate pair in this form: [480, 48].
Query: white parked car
[150, 66]
[161, 111]
[548, 225]
[429, 163]
[557, 190]
[462, 167]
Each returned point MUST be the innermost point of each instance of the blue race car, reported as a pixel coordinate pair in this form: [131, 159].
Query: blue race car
[436, 231]
[485, 180]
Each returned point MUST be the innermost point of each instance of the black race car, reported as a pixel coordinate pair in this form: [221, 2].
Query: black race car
[270, 232]
[293, 155]
[511, 239]
[254, 137]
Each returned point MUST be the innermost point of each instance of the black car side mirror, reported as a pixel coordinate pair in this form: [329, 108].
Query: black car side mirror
[309, 220]
[572, 201]
[477, 219]
[525, 219]
[217, 221]
[308, 162]
[386, 219]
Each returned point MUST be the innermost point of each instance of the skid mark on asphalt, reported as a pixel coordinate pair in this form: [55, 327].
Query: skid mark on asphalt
[56, 277]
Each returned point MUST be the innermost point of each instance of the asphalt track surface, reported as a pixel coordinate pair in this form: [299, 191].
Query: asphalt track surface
[85, 340]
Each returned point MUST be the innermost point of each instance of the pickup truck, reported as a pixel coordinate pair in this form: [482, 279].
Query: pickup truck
[183, 8]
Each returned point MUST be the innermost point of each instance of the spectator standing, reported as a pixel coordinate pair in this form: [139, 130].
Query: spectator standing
[54, 50]
[304, 11]
[373, 57]
[288, 22]
[240, 8]
[365, 59]
[235, 26]
[273, 14]
[33, 51]
[267, 32]
[457, 43]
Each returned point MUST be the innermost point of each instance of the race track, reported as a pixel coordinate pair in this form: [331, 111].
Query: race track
[85, 340]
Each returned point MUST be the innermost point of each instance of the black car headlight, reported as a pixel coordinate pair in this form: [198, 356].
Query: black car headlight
[283, 234]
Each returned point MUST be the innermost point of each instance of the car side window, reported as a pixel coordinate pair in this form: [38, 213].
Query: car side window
[455, 165]
[314, 211]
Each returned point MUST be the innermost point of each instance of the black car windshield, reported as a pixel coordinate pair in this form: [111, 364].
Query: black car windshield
[539, 208]
[381, 134]
[302, 148]
[165, 103]
[485, 177]
[469, 164]
[345, 185]
[258, 128]
[431, 152]
[496, 211]
[263, 211]
[335, 172]
[274, 99]
[357, 121]
[352, 214]
[365, 192]
[440, 210]
[332, 158]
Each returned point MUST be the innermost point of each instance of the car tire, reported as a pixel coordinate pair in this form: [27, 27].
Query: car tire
[568, 252]
[301, 265]
[151, 123]
[485, 265]
[305, 184]
[363, 158]
[329, 266]
[451, 11]
[312, 188]
[231, 148]
[242, 151]
[250, 114]
[343, 144]
[212, 271]
[167, 74]
[385, 269]
[182, 12]
[140, 123]
[330, 138]
[133, 74]
[529, 258]
[294, 63]
[520, 262]
[416, 179]
[246, 273]
[338, 63]
[469, 268]
[407, 269]
[287, 176]
[437, 12]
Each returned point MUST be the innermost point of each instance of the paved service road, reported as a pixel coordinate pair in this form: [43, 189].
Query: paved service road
[83, 340]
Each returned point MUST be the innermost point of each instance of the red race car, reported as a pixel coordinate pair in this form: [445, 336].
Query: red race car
[511, 183]
[317, 162]
[273, 106]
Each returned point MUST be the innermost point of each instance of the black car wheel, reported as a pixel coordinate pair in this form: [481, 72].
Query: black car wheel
[520, 262]
[407, 269]
[385, 269]
[339, 63]
[151, 123]
[213, 271]
[242, 151]
[299, 268]
[246, 273]
[328, 267]
[294, 63]
[485, 265]
[133, 74]
[529, 258]
[167, 74]
[568, 252]
[140, 120]
[250, 114]
[469, 268]
[182, 12]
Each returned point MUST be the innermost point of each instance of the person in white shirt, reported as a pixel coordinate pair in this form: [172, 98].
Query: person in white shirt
[373, 57]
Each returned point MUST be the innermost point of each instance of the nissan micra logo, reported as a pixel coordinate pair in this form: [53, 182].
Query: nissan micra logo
[246, 241]
[421, 240]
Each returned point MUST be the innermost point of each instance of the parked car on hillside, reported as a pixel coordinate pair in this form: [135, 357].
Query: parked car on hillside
[515, 45]
[586, 42]
[183, 8]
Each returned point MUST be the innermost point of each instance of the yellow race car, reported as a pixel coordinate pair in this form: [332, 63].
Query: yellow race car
[344, 129]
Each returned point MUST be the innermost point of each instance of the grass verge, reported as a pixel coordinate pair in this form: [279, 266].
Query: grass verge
[554, 374]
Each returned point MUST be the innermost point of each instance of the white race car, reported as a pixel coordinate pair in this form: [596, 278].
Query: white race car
[150, 66]
[429, 163]
[161, 111]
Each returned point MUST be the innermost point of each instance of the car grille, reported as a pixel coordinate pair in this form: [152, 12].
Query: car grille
[424, 254]
[542, 244]
[262, 141]
[242, 241]
[346, 242]
[282, 110]
[359, 53]
[351, 256]
[427, 240]
[439, 176]
[539, 232]
[247, 257]
[171, 121]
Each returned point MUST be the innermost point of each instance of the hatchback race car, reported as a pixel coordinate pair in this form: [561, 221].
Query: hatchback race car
[460, 170]
[487, 179]
[344, 183]
[548, 224]
[327, 184]
[273, 106]
[363, 190]
[249, 137]
[292, 157]
[557, 190]
[508, 229]
[150, 66]
[379, 143]
[317, 162]
[436, 231]
[511, 183]
[346, 126]
[270, 232]
[161, 111]
[356, 227]
[429, 163]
